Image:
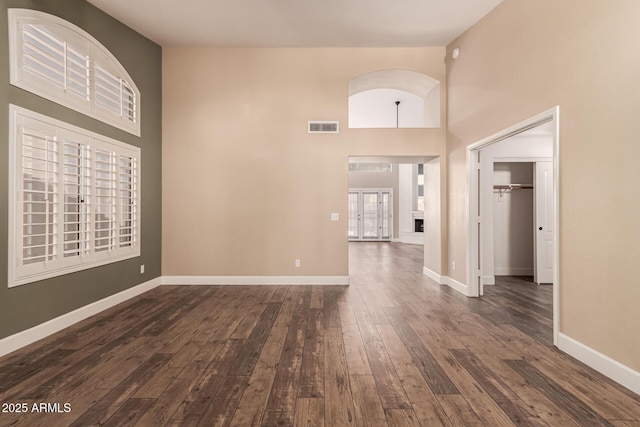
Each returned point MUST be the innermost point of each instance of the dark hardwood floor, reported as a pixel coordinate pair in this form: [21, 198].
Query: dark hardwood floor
[391, 349]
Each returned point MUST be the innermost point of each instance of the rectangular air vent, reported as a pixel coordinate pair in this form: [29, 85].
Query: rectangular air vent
[322, 127]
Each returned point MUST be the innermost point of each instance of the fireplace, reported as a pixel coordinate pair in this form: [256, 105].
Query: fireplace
[418, 225]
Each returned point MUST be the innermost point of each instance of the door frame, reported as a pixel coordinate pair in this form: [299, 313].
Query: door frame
[474, 238]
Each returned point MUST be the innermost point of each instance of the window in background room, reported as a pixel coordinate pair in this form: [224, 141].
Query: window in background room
[419, 187]
[370, 167]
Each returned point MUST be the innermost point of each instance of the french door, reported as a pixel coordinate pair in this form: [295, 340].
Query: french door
[370, 214]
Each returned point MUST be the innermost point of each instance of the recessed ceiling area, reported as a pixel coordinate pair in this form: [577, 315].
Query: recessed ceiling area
[295, 23]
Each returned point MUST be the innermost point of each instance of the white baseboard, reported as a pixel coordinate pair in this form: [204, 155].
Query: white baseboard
[513, 271]
[255, 280]
[604, 364]
[445, 280]
[412, 238]
[440, 280]
[458, 286]
[31, 335]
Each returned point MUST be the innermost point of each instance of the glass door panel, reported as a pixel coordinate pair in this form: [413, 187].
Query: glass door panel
[370, 215]
[385, 215]
[354, 215]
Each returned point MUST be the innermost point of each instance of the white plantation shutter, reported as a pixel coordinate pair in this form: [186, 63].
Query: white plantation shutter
[78, 74]
[43, 54]
[64, 68]
[115, 94]
[105, 199]
[61, 62]
[74, 196]
[39, 179]
[77, 198]
[128, 206]
[129, 102]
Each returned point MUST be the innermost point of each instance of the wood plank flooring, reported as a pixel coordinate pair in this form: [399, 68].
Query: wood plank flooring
[392, 349]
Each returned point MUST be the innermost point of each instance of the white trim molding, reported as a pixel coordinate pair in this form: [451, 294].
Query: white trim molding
[458, 286]
[255, 280]
[446, 280]
[411, 238]
[21, 339]
[613, 369]
[440, 280]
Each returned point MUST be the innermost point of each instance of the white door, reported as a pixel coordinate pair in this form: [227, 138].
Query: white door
[544, 231]
[370, 216]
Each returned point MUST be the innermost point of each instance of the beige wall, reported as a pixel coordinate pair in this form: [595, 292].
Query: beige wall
[434, 211]
[524, 58]
[246, 189]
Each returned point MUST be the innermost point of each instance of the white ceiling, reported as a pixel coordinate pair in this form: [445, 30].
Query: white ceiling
[299, 23]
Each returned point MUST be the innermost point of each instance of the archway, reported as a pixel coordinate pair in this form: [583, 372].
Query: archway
[394, 99]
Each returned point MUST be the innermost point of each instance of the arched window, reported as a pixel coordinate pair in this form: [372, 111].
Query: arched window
[57, 60]
[394, 98]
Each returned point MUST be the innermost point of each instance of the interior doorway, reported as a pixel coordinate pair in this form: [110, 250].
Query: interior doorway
[535, 140]
[396, 199]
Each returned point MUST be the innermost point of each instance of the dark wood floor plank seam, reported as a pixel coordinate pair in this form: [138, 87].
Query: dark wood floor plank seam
[198, 405]
[284, 391]
[569, 403]
[433, 374]
[100, 412]
[387, 382]
[506, 399]
[311, 383]
[253, 345]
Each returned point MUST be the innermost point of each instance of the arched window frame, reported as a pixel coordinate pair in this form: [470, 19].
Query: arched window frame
[61, 62]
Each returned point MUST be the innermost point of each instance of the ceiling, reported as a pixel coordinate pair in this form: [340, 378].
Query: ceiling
[299, 23]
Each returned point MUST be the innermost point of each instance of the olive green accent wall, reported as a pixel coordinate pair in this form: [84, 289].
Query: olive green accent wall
[28, 305]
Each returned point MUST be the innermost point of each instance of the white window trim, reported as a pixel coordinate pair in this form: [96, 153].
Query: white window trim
[89, 46]
[16, 276]
[371, 167]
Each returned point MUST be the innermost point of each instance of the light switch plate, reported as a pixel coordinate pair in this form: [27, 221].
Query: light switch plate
[335, 216]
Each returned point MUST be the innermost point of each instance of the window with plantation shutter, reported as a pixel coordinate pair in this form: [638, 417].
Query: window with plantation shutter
[74, 198]
[61, 62]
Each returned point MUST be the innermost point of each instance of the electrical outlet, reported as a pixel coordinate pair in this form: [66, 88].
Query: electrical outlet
[141, 268]
[453, 265]
[335, 216]
[297, 263]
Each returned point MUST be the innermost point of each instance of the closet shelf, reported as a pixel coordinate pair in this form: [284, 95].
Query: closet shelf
[512, 186]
